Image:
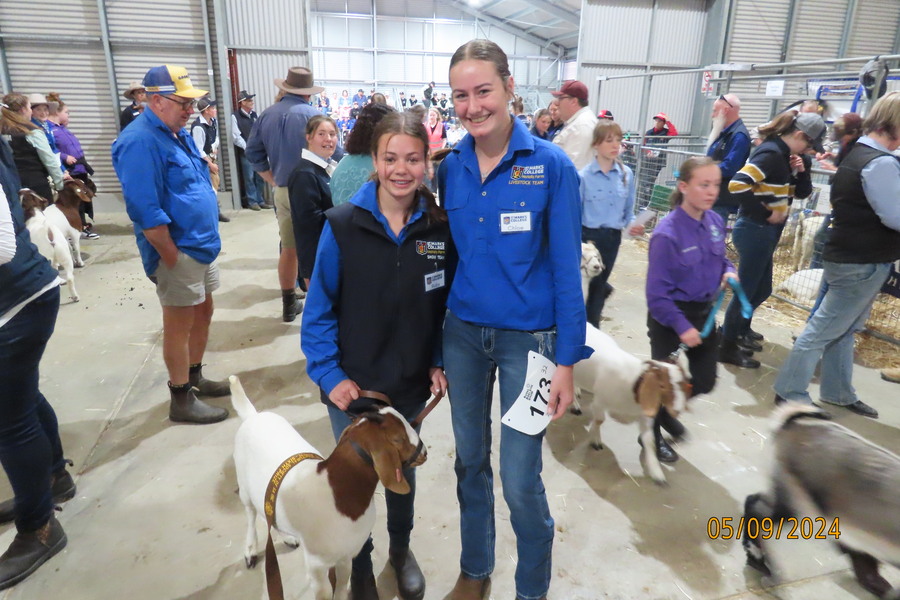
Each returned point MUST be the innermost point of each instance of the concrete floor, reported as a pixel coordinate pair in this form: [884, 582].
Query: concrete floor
[157, 516]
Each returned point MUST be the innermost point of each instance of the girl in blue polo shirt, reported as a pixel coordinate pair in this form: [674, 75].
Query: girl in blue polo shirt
[514, 212]
[607, 207]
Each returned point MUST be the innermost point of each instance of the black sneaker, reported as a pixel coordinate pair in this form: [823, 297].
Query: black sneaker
[755, 336]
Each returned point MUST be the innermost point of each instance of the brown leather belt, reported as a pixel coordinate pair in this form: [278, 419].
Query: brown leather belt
[273, 573]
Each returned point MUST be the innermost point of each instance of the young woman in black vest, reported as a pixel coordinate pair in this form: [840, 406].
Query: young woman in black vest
[31, 151]
[864, 242]
[375, 309]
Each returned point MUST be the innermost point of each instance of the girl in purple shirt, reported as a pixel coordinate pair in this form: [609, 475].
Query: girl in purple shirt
[687, 268]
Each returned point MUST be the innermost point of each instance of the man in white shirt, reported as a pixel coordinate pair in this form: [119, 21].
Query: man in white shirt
[579, 122]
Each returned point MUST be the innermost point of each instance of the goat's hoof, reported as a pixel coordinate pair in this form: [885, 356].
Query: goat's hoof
[575, 410]
[250, 561]
[291, 542]
[661, 482]
[596, 445]
[75, 298]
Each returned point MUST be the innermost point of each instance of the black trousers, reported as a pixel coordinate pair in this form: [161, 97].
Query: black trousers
[701, 359]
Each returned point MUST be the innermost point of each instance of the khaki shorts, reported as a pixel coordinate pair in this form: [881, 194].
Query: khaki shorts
[187, 283]
[283, 214]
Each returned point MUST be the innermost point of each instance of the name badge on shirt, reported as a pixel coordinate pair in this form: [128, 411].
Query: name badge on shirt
[515, 222]
[434, 281]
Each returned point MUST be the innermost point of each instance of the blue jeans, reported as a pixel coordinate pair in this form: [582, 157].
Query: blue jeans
[472, 355]
[607, 242]
[755, 243]
[30, 448]
[829, 334]
[253, 183]
[400, 510]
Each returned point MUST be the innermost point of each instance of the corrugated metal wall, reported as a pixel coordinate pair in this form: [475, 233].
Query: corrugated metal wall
[763, 29]
[619, 38]
[70, 60]
[875, 26]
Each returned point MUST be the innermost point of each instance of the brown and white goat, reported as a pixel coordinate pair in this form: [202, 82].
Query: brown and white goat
[70, 198]
[327, 505]
[31, 202]
[620, 380]
[836, 478]
[50, 241]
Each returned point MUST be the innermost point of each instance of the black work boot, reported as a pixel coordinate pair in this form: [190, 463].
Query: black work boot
[62, 487]
[410, 581]
[362, 586]
[29, 550]
[290, 305]
[207, 387]
[730, 353]
[186, 408]
[747, 343]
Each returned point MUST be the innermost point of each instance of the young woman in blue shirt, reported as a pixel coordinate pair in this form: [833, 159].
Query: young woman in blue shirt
[374, 313]
[512, 201]
[607, 207]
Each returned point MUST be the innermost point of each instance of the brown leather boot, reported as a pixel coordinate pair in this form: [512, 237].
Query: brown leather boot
[471, 589]
[29, 550]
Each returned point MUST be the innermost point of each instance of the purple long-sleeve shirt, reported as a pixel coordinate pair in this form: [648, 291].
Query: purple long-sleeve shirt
[68, 146]
[687, 262]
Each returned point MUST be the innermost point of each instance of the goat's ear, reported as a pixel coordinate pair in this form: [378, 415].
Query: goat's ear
[647, 394]
[390, 468]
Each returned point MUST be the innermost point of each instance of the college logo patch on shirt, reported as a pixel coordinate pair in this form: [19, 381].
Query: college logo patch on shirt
[715, 234]
[430, 249]
[527, 175]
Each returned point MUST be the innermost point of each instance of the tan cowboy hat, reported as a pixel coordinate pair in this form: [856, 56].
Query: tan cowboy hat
[133, 87]
[299, 81]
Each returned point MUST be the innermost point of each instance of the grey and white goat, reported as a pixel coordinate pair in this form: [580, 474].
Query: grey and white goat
[833, 476]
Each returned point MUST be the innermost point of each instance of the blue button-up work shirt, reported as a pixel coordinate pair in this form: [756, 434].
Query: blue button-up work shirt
[607, 199]
[519, 240]
[166, 182]
[687, 262]
[279, 136]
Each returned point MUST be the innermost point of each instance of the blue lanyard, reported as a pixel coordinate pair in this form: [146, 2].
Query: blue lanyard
[746, 312]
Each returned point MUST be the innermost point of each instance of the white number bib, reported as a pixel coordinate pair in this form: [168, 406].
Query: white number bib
[528, 413]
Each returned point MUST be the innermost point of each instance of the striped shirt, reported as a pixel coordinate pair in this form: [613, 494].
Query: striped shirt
[766, 183]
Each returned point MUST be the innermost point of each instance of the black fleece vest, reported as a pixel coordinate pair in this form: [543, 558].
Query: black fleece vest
[392, 302]
[857, 234]
[721, 148]
[210, 130]
[245, 123]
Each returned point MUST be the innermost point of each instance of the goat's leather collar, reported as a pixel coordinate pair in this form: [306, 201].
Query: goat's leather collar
[375, 396]
[273, 573]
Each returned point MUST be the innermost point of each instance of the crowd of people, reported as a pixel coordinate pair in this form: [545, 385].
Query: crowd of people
[470, 285]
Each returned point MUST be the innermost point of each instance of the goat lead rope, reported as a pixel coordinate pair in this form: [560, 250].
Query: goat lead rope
[383, 398]
[273, 573]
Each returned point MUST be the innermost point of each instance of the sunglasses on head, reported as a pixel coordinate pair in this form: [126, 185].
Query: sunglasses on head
[722, 98]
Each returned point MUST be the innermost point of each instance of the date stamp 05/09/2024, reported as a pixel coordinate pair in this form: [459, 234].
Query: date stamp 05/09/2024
[790, 528]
